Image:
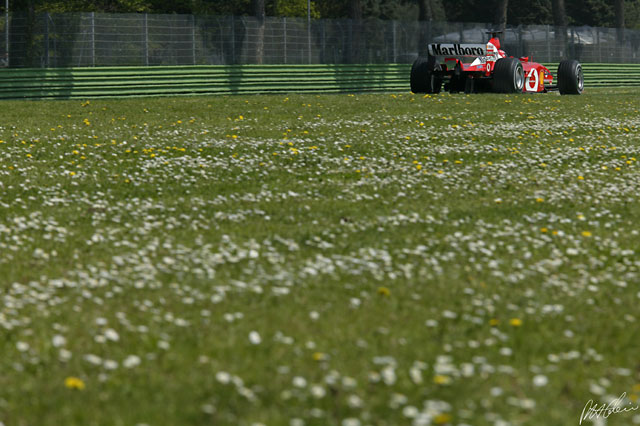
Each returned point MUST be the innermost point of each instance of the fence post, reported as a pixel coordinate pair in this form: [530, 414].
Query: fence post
[324, 42]
[46, 39]
[233, 40]
[6, 32]
[309, 30]
[598, 42]
[520, 41]
[394, 27]
[193, 39]
[145, 40]
[93, 39]
[351, 47]
[548, 45]
[573, 44]
[222, 49]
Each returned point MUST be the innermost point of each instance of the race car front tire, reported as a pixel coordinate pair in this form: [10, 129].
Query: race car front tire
[570, 77]
[508, 76]
[424, 78]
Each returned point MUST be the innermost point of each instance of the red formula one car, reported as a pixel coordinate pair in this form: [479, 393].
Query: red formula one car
[489, 71]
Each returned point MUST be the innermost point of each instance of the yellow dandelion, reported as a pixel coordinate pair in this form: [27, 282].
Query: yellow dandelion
[442, 418]
[74, 383]
[515, 322]
[586, 234]
[384, 291]
[493, 322]
[440, 379]
[320, 356]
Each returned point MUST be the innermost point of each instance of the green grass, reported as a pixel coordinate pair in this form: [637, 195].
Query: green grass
[321, 260]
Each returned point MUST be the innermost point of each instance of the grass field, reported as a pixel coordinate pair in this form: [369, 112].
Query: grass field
[320, 260]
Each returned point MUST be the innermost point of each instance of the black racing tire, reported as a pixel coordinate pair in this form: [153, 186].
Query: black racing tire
[508, 76]
[424, 75]
[570, 77]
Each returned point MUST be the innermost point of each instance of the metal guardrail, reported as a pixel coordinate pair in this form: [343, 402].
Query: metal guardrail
[36, 83]
[611, 75]
[607, 75]
[72, 83]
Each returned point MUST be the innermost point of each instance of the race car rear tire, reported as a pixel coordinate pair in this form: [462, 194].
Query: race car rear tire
[424, 78]
[508, 76]
[570, 77]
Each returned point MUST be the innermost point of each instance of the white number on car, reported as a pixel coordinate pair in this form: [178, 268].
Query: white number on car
[532, 81]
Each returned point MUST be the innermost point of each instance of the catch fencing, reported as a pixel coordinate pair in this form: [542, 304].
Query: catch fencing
[97, 40]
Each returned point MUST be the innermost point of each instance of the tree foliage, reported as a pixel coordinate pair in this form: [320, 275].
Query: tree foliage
[296, 8]
[519, 12]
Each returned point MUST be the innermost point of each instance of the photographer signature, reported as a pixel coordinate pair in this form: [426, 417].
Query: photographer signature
[592, 410]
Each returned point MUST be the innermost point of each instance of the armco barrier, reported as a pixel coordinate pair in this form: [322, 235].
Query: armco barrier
[199, 80]
[67, 83]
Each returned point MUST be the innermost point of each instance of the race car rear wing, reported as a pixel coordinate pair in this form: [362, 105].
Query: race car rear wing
[457, 50]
